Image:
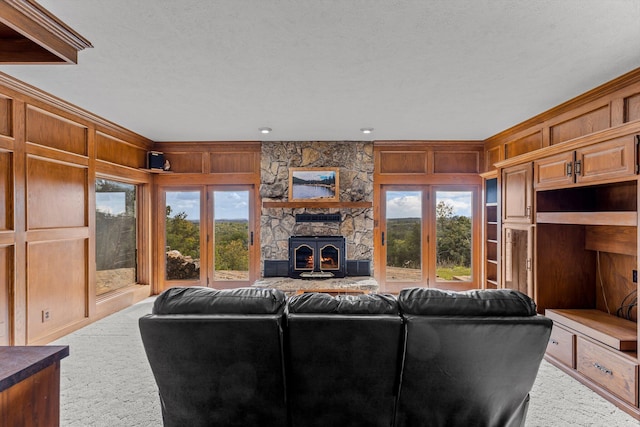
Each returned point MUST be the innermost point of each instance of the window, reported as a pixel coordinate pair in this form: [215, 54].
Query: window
[116, 231]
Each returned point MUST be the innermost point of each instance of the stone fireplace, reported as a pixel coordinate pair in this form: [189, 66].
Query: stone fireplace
[282, 219]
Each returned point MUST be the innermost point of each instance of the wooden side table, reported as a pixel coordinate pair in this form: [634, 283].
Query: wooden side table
[30, 385]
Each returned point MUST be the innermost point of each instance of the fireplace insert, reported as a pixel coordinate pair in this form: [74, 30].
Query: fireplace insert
[317, 257]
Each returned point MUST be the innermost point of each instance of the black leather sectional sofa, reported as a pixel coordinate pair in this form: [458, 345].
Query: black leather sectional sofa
[253, 357]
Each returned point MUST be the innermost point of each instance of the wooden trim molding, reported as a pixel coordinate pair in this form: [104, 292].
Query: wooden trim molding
[608, 88]
[43, 38]
[37, 97]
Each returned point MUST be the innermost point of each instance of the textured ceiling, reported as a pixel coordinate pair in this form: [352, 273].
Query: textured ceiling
[191, 70]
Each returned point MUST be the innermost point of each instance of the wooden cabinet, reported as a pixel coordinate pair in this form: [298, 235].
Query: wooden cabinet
[30, 385]
[518, 258]
[517, 194]
[609, 160]
[614, 371]
[554, 171]
[569, 239]
[562, 345]
[605, 349]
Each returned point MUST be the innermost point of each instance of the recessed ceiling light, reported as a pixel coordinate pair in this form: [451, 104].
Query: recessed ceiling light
[366, 130]
[265, 130]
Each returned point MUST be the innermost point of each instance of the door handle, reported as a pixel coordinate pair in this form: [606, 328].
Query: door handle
[383, 238]
[251, 238]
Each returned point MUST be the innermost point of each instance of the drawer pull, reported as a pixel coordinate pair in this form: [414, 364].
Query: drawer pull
[554, 342]
[603, 369]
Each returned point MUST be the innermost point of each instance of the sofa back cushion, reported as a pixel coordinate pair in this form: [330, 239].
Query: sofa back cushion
[217, 356]
[470, 358]
[201, 300]
[342, 304]
[343, 357]
[437, 302]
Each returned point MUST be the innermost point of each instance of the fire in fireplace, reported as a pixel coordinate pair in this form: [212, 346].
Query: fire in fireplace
[317, 257]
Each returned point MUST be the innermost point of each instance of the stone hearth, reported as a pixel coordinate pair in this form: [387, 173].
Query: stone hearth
[292, 286]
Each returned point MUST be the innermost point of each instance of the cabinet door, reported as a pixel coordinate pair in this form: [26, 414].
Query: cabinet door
[554, 171]
[607, 160]
[517, 194]
[518, 259]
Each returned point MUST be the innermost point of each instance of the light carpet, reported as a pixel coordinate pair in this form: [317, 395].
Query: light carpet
[106, 381]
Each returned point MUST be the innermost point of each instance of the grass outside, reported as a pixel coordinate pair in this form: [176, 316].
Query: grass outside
[448, 273]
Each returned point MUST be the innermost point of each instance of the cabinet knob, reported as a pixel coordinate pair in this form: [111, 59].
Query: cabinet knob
[554, 342]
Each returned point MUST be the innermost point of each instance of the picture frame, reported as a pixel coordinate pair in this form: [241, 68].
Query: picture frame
[314, 184]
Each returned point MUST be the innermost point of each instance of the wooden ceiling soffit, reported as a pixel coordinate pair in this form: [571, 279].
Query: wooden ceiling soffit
[30, 34]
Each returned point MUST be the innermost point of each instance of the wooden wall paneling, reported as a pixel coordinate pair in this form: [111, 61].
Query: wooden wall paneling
[6, 281]
[185, 162]
[19, 301]
[6, 115]
[114, 150]
[456, 161]
[523, 145]
[616, 109]
[57, 194]
[565, 274]
[6, 191]
[234, 162]
[614, 283]
[402, 162]
[583, 124]
[54, 131]
[57, 283]
[632, 108]
[612, 238]
[491, 156]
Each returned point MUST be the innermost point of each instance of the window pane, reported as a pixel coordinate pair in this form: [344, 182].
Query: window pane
[403, 237]
[231, 235]
[115, 235]
[453, 235]
[182, 237]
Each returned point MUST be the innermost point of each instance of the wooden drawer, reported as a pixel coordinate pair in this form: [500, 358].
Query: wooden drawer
[609, 368]
[562, 345]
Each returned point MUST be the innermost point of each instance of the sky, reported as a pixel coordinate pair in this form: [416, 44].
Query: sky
[234, 204]
[407, 204]
[228, 204]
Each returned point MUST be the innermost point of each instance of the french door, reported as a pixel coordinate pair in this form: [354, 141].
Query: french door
[427, 237]
[209, 236]
[231, 236]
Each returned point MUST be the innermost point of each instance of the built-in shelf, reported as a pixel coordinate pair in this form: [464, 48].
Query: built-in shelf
[317, 204]
[161, 171]
[626, 218]
[490, 232]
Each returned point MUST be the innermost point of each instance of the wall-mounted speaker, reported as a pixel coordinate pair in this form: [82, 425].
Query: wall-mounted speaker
[155, 160]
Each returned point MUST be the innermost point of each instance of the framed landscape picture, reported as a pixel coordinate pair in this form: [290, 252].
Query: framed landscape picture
[314, 184]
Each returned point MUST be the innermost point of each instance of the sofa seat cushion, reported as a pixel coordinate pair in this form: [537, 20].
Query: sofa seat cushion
[321, 303]
[490, 302]
[201, 300]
